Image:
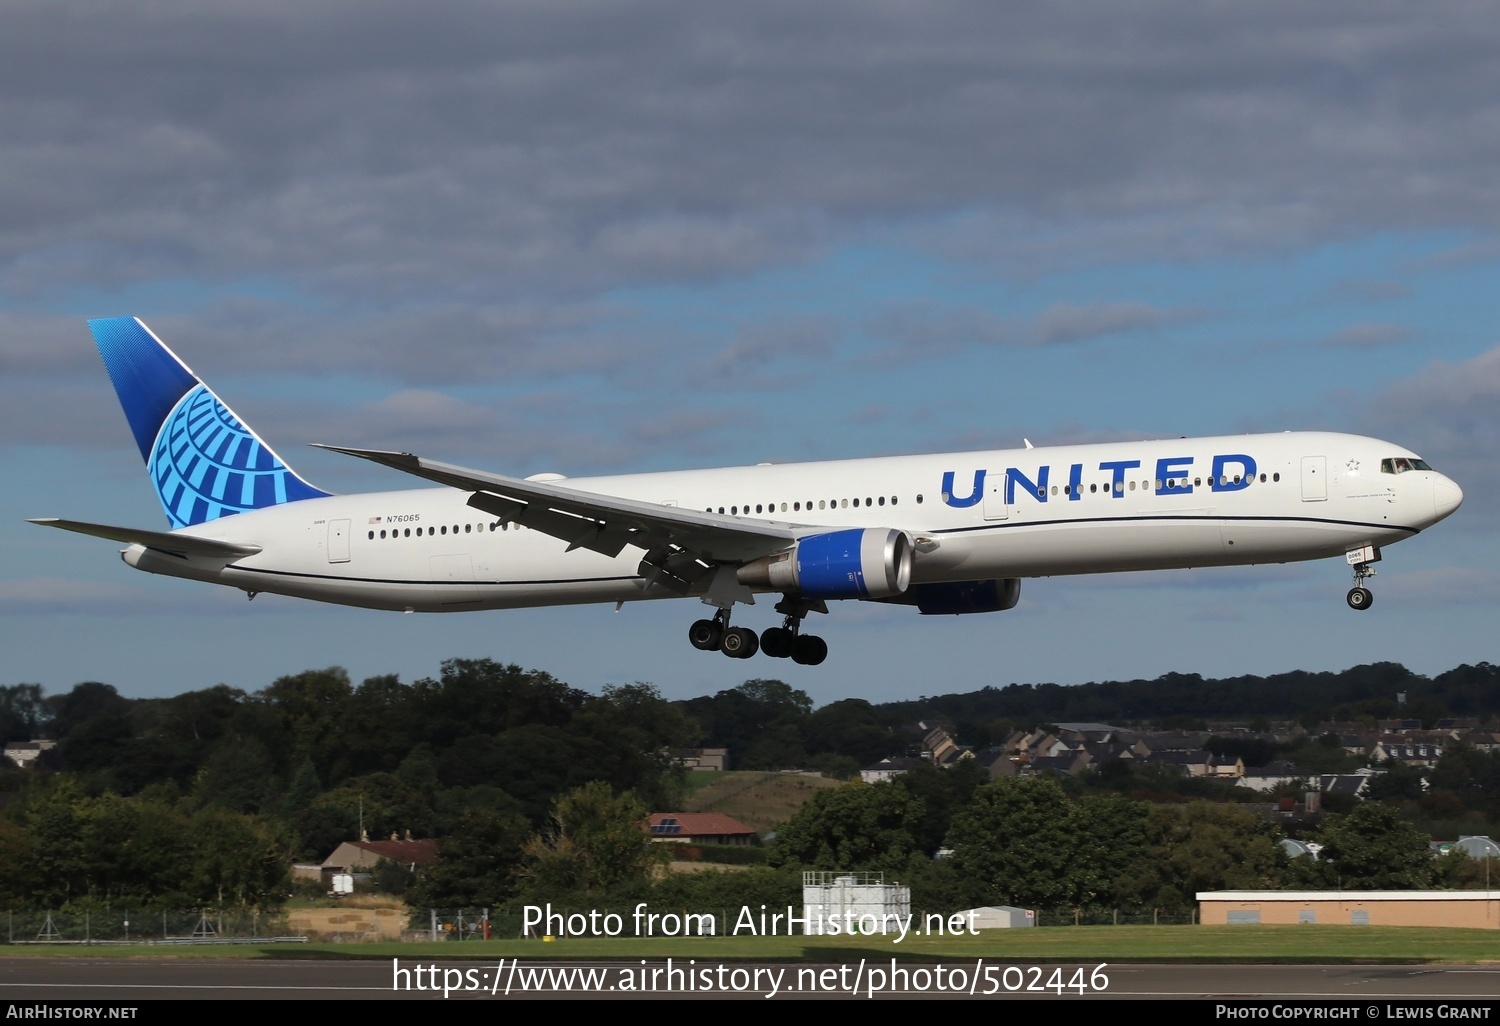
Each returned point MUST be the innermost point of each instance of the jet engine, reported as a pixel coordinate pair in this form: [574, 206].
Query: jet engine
[956, 597]
[855, 564]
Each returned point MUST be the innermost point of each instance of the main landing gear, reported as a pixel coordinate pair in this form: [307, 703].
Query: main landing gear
[781, 642]
[1361, 561]
[735, 642]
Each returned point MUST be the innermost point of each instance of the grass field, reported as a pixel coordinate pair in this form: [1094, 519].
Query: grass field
[761, 801]
[1090, 945]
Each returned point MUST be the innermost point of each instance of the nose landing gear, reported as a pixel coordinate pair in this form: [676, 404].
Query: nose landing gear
[1361, 561]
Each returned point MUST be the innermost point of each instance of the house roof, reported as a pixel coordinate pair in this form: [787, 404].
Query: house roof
[362, 855]
[1280, 768]
[1341, 783]
[896, 762]
[694, 824]
[421, 853]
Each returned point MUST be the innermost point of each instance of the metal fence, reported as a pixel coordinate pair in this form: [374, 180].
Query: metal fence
[1115, 917]
[147, 927]
[459, 925]
[552, 920]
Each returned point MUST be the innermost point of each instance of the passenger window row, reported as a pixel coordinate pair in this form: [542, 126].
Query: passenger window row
[808, 506]
[1169, 484]
[406, 532]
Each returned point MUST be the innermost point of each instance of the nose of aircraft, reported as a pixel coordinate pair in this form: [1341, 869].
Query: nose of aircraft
[1446, 496]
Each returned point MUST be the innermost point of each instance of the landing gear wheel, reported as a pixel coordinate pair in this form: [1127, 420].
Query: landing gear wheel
[706, 635]
[1359, 598]
[809, 650]
[739, 643]
[777, 642]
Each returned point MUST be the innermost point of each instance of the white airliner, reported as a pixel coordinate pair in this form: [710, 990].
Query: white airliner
[948, 533]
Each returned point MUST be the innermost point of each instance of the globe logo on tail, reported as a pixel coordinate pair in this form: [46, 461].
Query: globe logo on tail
[207, 465]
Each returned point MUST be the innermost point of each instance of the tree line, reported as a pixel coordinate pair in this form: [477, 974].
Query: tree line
[204, 797]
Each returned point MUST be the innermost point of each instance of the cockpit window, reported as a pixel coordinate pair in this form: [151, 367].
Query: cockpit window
[1401, 464]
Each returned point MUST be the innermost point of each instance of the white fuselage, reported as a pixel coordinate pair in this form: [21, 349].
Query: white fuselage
[1016, 513]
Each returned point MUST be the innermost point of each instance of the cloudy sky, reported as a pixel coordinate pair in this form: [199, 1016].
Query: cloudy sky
[615, 237]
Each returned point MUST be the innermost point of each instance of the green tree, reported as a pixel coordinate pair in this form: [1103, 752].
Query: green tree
[479, 862]
[851, 728]
[1110, 836]
[239, 775]
[481, 696]
[534, 763]
[1202, 846]
[23, 711]
[381, 801]
[1014, 844]
[857, 826]
[638, 732]
[595, 843]
[760, 722]
[55, 862]
[309, 705]
[1398, 783]
[943, 793]
[236, 859]
[305, 786]
[379, 725]
[1373, 848]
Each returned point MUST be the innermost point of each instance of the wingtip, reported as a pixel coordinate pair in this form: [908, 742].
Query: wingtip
[385, 456]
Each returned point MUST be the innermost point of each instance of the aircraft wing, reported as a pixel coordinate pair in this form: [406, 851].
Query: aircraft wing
[682, 545]
[173, 543]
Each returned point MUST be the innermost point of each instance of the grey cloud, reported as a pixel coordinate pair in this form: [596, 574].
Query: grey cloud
[431, 344]
[1370, 291]
[46, 596]
[572, 433]
[1436, 587]
[764, 356]
[1457, 406]
[381, 151]
[1449, 414]
[83, 416]
[1066, 323]
[927, 329]
[1368, 336]
[34, 345]
[1468, 254]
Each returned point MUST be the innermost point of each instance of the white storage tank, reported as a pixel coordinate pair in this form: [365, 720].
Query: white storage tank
[861, 903]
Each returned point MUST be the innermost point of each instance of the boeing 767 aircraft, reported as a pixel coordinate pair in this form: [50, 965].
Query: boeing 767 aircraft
[947, 533]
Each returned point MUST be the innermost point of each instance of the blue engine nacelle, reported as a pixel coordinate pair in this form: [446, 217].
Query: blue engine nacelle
[855, 564]
[956, 597]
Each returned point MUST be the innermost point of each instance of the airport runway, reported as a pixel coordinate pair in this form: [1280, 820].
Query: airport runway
[149, 980]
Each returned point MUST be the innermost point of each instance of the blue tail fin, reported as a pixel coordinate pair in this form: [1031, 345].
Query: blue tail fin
[204, 463]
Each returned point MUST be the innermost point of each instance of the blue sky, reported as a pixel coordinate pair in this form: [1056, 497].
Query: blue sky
[627, 237]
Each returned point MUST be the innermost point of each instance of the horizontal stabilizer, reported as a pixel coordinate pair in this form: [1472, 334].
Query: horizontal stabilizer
[171, 542]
